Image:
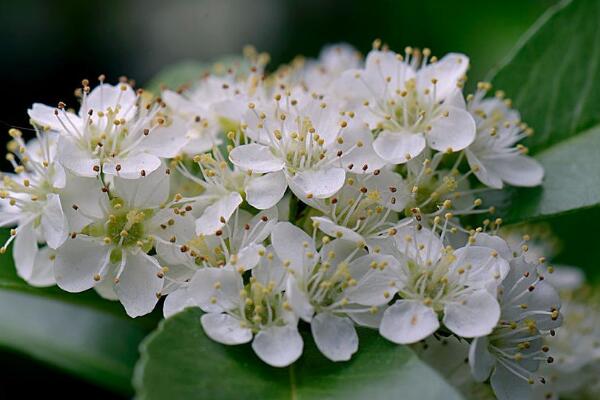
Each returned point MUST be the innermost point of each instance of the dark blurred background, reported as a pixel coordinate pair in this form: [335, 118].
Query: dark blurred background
[47, 47]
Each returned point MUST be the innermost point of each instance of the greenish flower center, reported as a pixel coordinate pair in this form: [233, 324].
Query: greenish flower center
[123, 228]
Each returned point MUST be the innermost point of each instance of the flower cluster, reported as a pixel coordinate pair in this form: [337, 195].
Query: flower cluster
[332, 191]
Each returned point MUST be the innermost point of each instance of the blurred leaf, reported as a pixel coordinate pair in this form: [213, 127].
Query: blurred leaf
[176, 75]
[187, 72]
[178, 361]
[577, 242]
[81, 333]
[554, 78]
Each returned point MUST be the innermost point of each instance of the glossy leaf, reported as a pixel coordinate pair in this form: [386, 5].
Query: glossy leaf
[179, 361]
[553, 74]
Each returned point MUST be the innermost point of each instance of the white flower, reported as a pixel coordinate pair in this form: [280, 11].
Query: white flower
[334, 288]
[511, 354]
[115, 132]
[121, 229]
[216, 103]
[576, 353]
[31, 199]
[494, 156]
[308, 141]
[235, 312]
[223, 187]
[411, 103]
[238, 245]
[455, 284]
[318, 76]
[364, 208]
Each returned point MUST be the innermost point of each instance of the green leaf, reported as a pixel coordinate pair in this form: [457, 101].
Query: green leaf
[553, 74]
[178, 361]
[80, 333]
[572, 182]
[189, 71]
[553, 77]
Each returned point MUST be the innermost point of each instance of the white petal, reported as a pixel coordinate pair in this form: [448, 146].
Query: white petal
[261, 225]
[45, 116]
[54, 223]
[59, 176]
[265, 191]
[472, 315]
[165, 141]
[363, 88]
[10, 217]
[321, 183]
[271, 271]
[138, 284]
[248, 257]
[339, 250]
[25, 251]
[77, 160]
[408, 321]
[43, 268]
[328, 227]
[77, 262]
[518, 171]
[482, 266]
[487, 176]
[508, 386]
[132, 166]
[377, 287]
[105, 95]
[106, 287]
[421, 244]
[298, 300]
[382, 66]
[178, 103]
[278, 346]
[447, 71]
[334, 336]
[289, 243]
[494, 242]
[544, 297]
[480, 359]
[146, 191]
[399, 147]
[79, 191]
[456, 99]
[363, 155]
[455, 131]
[177, 301]
[216, 289]
[255, 157]
[368, 318]
[211, 219]
[225, 329]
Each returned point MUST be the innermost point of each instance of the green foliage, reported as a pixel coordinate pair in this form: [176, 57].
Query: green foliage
[179, 361]
[553, 74]
[553, 77]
